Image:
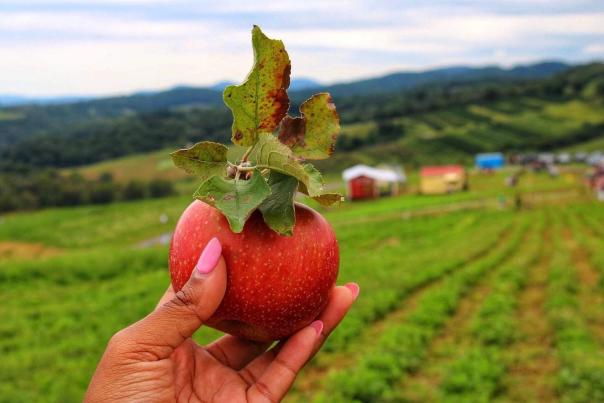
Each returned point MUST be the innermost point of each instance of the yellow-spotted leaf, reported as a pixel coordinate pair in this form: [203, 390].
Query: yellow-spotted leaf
[261, 102]
[204, 159]
[313, 134]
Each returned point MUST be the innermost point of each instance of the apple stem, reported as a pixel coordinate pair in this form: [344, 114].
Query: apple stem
[246, 154]
[242, 168]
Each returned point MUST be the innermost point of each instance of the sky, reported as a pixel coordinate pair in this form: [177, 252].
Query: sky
[103, 47]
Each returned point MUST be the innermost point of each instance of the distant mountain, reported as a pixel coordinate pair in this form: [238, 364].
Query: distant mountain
[145, 101]
[7, 100]
[458, 74]
[298, 84]
[220, 85]
[295, 85]
[182, 96]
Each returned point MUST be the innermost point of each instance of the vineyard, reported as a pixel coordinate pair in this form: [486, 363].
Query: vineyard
[457, 305]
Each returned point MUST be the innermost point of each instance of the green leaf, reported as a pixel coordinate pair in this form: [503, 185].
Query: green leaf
[204, 159]
[316, 180]
[313, 134]
[270, 153]
[315, 184]
[261, 102]
[278, 209]
[236, 199]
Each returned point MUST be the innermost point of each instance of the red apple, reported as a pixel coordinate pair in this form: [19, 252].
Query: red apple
[276, 284]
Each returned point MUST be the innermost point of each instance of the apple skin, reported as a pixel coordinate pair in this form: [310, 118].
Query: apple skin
[276, 284]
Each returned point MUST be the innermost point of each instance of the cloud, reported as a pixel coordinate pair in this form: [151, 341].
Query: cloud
[596, 49]
[111, 46]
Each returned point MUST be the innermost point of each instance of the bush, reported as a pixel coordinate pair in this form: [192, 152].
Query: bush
[50, 188]
[160, 188]
[102, 193]
[134, 190]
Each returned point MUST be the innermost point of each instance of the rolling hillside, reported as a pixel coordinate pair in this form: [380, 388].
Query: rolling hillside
[18, 123]
[408, 80]
[432, 124]
[443, 136]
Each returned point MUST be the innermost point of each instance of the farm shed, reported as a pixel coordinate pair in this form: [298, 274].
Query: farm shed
[443, 179]
[365, 182]
[489, 161]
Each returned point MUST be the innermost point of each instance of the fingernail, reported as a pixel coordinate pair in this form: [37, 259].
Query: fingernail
[354, 289]
[318, 326]
[209, 257]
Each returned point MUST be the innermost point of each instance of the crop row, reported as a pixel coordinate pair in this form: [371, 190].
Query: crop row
[477, 373]
[389, 274]
[59, 311]
[589, 236]
[402, 347]
[581, 374]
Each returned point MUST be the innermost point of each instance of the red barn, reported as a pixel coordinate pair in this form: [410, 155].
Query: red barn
[364, 182]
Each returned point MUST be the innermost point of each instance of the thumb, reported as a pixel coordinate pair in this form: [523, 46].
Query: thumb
[169, 325]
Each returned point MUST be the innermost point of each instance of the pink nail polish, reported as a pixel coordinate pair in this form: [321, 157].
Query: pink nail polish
[317, 325]
[209, 257]
[354, 289]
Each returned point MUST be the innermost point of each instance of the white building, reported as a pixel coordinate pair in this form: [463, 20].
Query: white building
[365, 182]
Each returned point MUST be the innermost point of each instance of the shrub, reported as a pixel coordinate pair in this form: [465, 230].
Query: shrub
[160, 188]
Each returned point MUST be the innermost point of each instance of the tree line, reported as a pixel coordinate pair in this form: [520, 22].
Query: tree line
[50, 188]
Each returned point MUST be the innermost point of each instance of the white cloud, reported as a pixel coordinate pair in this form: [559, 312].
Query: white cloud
[86, 51]
[82, 23]
[594, 49]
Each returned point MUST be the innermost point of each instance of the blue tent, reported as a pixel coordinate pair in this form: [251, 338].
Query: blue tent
[489, 161]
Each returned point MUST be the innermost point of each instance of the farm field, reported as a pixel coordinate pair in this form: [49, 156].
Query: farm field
[461, 300]
[455, 133]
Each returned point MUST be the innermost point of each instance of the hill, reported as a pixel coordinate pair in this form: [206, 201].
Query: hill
[434, 122]
[460, 74]
[443, 136]
[20, 122]
[8, 100]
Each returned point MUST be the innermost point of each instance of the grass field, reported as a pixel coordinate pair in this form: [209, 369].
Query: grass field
[461, 300]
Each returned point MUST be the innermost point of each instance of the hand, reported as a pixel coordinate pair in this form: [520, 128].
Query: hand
[155, 359]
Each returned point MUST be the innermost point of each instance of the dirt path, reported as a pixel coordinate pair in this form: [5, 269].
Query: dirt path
[533, 361]
[25, 250]
[311, 377]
